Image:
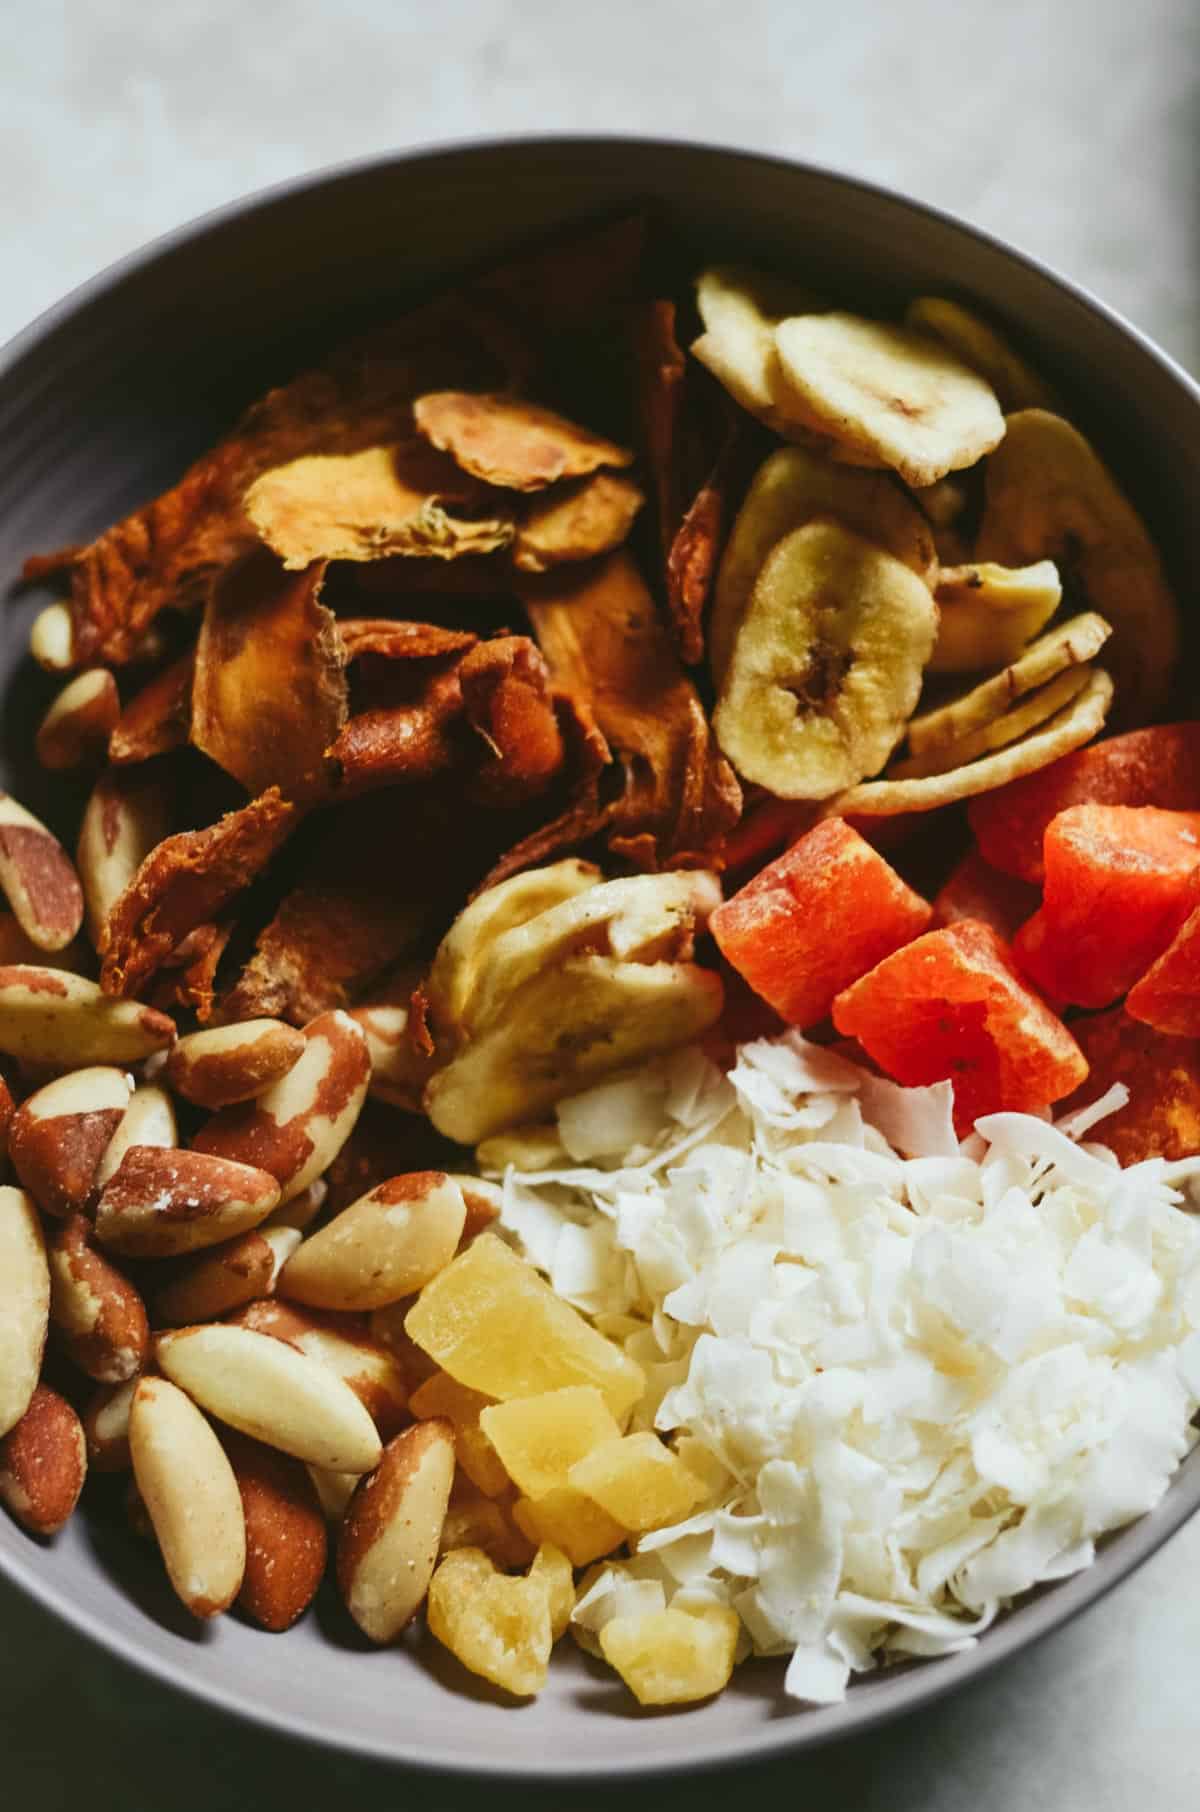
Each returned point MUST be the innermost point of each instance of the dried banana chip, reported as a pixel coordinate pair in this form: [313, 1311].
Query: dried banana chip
[506, 441]
[740, 309]
[886, 396]
[577, 522]
[789, 489]
[977, 343]
[402, 499]
[1035, 708]
[987, 613]
[1049, 497]
[826, 665]
[1070, 645]
[1082, 719]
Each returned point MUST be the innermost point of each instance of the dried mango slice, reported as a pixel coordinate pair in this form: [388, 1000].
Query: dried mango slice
[158, 718]
[790, 488]
[577, 522]
[1161, 1119]
[509, 703]
[815, 920]
[401, 641]
[1158, 766]
[661, 371]
[826, 666]
[398, 499]
[269, 692]
[987, 613]
[951, 1006]
[408, 742]
[693, 553]
[1068, 729]
[1048, 496]
[511, 443]
[980, 345]
[886, 395]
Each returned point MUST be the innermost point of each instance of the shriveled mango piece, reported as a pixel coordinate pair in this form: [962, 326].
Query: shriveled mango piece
[539, 1439]
[816, 919]
[1162, 1116]
[571, 1522]
[496, 1625]
[976, 890]
[493, 1323]
[1159, 766]
[1118, 888]
[951, 1006]
[638, 1481]
[443, 1395]
[507, 441]
[673, 1657]
[1168, 995]
[577, 522]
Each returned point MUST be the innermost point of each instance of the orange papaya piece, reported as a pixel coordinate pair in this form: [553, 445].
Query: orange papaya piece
[1158, 766]
[1162, 1116]
[815, 920]
[1118, 887]
[1168, 995]
[951, 1007]
[976, 890]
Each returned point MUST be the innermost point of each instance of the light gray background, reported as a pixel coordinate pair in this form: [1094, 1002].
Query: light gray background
[1068, 126]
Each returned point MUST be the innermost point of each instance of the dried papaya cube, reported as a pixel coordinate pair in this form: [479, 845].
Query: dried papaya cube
[951, 1006]
[639, 1482]
[496, 1625]
[1161, 1119]
[571, 1522]
[1159, 766]
[538, 1439]
[1168, 995]
[675, 1656]
[1118, 887]
[494, 1324]
[443, 1395]
[976, 890]
[816, 919]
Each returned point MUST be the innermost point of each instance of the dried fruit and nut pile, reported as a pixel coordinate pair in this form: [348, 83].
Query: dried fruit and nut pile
[417, 755]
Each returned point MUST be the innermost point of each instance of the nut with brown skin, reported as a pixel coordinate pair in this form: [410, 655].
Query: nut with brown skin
[399, 1071]
[97, 1315]
[37, 879]
[24, 1304]
[227, 1064]
[52, 1017]
[191, 1496]
[127, 813]
[106, 1427]
[296, 1129]
[224, 1278]
[286, 1540]
[59, 1135]
[271, 1391]
[149, 1119]
[384, 1246]
[343, 1344]
[389, 1540]
[43, 1463]
[161, 1203]
[78, 723]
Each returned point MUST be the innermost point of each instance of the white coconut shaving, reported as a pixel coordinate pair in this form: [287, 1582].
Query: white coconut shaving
[919, 1376]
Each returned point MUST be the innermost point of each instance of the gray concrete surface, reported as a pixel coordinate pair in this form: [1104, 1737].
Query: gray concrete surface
[1067, 126]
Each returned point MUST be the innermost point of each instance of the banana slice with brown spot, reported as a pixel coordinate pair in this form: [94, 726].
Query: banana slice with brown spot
[1048, 496]
[827, 663]
[886, 396]
[1071, 645]
[987, 613]
[790, 488]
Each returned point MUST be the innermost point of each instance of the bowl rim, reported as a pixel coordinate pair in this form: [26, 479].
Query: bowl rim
[913, 1687]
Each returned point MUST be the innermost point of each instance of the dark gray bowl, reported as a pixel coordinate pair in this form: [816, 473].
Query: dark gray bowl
[101, 403]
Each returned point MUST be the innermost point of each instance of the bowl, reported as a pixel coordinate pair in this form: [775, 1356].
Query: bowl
[104, 400]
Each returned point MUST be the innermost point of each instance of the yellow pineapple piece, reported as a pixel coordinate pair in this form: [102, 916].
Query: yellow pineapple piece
[443, 1395]
[554, 1573]
[497, 1625]
[571, 1522]
[476, 1521]
[674, 1656]
[639, 1482]
[493, 1323]
[539, 1439]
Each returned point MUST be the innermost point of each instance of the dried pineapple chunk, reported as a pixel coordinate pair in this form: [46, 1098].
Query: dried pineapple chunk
[496, 1625]
[987, 613]
[571, 1522]
[494, 1324]
[639, 1482]
[554, 1573]
[539, 1439]
[674, 1656]
[475, 1521]
[443, 1395]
